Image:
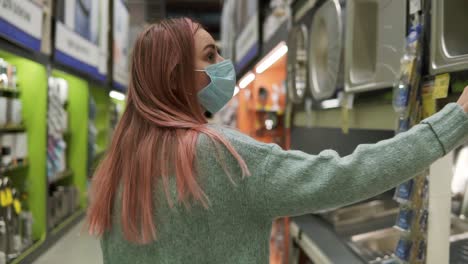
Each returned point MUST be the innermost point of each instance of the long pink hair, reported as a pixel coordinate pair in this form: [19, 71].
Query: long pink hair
[157, 135]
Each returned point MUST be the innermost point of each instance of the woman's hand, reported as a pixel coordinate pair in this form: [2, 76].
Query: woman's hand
[463, 100]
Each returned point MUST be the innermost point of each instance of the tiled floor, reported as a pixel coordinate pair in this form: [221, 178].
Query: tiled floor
[76, 247]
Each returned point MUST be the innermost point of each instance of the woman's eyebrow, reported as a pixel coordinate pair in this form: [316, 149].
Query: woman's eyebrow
[212, 46]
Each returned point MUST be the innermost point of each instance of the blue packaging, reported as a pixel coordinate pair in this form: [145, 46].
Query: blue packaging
[404, 191]
[405, 218]
[403, 249]
[403, 125]
[401, 98]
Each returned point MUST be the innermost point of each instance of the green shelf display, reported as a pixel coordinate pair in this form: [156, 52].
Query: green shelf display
[30, 175]
[32, 78]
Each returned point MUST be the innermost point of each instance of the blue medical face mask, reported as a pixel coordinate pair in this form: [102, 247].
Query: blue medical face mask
[221, 88]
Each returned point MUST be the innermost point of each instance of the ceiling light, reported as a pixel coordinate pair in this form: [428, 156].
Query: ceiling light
[116, 95]
[246, 80]
[272, 57]
[236, 90]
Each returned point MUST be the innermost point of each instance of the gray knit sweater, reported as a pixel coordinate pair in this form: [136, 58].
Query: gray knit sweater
[236, 227]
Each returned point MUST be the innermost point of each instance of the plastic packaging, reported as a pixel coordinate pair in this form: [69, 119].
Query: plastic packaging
[401, 92]
[405, 218]
[403, 125]
[403, 249]
[404, 192]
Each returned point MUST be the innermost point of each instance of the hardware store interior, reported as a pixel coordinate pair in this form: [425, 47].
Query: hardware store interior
[311, 76]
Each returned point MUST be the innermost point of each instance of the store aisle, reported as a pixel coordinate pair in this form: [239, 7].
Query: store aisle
[74, 247]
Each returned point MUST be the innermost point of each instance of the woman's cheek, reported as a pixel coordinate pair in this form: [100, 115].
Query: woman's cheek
[202, 81]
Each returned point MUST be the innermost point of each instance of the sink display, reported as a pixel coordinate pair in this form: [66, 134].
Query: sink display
[375, 246]
[362, 218]
[375, 41]
[326, 50]
[449, 38]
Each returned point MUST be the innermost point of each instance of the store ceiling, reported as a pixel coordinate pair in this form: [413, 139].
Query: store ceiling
[207, 12]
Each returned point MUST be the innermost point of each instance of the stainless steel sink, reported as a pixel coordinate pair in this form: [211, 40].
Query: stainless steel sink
[449, 41]
[374, 43]
[326, 50]
[362, 218]
[377, 245]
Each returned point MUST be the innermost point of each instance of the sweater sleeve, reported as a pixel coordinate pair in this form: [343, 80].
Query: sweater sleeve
[295, 183]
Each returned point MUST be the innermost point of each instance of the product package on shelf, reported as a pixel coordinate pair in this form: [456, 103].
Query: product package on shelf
[3, 111]
[57, 126]
[8, 76]
[14, 149]
[413, 194]
[10, 104]
[15, 222]
[15, 112]
[7, 149]
[92, 135]
[63, 202]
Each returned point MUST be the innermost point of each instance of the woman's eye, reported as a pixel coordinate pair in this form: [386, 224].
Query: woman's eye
[211, 57]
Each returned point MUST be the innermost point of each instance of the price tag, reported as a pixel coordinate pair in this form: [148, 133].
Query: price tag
[428, 102]
[441, 86]
[429, 105]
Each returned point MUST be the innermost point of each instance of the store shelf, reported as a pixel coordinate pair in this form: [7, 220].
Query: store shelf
[266, 110]
[13, 48]
[4, 92]
[27, 252]
[60, 176]
[12, 168]
[12, 129]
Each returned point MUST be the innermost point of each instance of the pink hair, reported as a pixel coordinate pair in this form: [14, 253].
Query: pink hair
[157, 135]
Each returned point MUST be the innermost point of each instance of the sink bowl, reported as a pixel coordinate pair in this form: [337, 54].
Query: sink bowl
[375, 41]
[375, 246]
[362, 218]
[449, 37]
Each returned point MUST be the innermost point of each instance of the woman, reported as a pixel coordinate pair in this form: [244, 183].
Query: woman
[173, 189]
